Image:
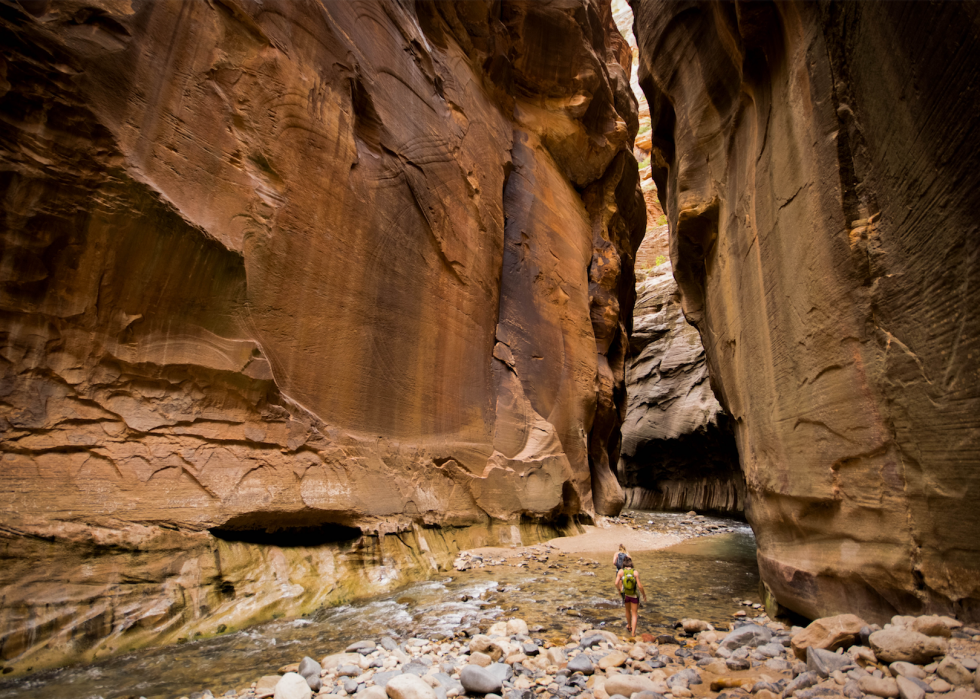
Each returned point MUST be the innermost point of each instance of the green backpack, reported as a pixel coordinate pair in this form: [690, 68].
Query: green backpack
[629, 582]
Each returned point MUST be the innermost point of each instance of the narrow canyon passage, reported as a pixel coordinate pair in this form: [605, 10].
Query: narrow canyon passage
[301, 298]
[679, 449]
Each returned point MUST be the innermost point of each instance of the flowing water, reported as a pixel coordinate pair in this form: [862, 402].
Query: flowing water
[703, 577]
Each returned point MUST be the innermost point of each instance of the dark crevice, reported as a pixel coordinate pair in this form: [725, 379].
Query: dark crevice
[284, 530]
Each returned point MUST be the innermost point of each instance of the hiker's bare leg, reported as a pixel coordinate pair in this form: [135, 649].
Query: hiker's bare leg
[631, 617]
[636, 614]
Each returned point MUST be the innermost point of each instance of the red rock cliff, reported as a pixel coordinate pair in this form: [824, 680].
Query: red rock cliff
[285, 264]
[818, 163]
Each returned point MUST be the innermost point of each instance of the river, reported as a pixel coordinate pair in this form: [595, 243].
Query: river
[703, 577]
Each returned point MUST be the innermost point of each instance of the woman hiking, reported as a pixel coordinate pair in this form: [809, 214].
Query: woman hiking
[628, 583]
[619, 560]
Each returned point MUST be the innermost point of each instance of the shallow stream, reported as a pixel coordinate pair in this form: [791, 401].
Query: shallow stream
[704, 577]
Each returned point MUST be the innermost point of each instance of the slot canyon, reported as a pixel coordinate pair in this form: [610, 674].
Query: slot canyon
[301, 298]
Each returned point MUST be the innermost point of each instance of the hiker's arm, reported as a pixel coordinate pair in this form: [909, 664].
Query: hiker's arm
[642, 589]
[619, 581]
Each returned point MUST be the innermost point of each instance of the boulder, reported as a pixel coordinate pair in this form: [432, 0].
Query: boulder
[310, 670]
[828, 633]
[484, 644]
[903, 669]
[907, 689]
[826, 663]
[407, 686]
[374, 692]
[693, 626]
[878, 686]
[890, 645]
[862, 656]
[627, 685]
[684, 678]
[478, 680]
[581, 663]
[362, 647]
[751, 635]
[733, 682]
[613, 659]
[769, 650]
[292, 685]
[953, 672]
[595, 637]
[332, 662]
[936, 625]
[801, 681]
[481, 659]
[555, 656]
[501, 671]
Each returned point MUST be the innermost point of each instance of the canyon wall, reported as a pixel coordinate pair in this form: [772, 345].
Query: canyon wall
[299, 274]
[678, 449]
[818, 163]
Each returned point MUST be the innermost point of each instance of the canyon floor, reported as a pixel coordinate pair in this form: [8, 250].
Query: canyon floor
[745, 655]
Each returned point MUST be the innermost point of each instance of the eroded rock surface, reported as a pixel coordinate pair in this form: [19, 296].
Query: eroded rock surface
[276, 266]
[678, 449]
[818, 165]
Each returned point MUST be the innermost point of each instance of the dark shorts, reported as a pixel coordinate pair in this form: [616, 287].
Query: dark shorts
[628, 599]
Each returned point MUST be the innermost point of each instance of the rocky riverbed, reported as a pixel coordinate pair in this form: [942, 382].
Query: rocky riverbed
[745, 655]
[835, 657]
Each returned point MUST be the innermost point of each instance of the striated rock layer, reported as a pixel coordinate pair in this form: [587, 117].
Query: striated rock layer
[818, 164]
[298, 272]
[678, 449]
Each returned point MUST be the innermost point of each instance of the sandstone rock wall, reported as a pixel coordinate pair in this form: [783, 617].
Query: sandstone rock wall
[678, 449]
[283, 265]
[818, 164]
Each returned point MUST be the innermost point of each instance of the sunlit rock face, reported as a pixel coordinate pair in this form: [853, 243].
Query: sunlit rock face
[818, 164]
[272, 266]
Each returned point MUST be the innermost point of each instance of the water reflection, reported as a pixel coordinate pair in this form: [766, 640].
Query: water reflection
[701, 578]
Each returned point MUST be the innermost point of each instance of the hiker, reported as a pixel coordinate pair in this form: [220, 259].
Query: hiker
[619, 559]
[628, 582]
